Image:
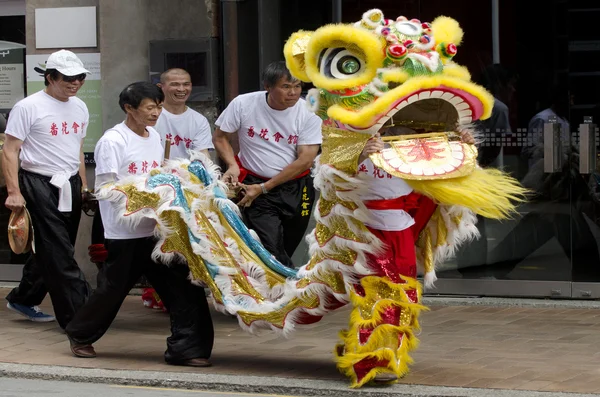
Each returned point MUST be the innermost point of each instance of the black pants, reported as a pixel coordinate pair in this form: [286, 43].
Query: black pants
[280, 217]
[192, 331]
[53, 267]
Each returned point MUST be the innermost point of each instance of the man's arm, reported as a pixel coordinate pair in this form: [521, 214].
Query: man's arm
[225, 151]
[306, 157]
[82, 174]
[10, 168]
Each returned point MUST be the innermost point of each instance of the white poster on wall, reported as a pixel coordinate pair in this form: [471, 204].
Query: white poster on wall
[12, 87]
[65, 27]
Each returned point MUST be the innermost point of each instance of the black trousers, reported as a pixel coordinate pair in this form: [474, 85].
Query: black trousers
[52, 268]
[192, 333]
[280, 217]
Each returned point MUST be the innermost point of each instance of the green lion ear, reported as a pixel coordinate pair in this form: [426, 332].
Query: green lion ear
[294, 51]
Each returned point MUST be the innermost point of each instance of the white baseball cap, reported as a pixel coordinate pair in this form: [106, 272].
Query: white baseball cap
[66, 62]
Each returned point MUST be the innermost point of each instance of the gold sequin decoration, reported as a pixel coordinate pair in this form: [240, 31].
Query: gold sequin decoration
[428, 252]
[342, 148]
[333, 280]
[137, 200]
[347, 257]
[406, 318]
[378, 288]
[339, 227]
[189, 197]
[278, 317]
[326, 206]
[239, 283]
[272, 278]
[179, 242]
[442, 231]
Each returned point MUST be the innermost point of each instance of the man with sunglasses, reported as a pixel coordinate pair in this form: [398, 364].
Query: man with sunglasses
[48, 129]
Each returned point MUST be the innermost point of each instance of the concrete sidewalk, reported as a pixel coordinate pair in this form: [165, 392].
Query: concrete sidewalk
[468, 348]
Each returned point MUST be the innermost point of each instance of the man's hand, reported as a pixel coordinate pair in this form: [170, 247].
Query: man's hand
[467, 137]
[88, 202]
[251, 192]
[232, 175]
[374, 145]
[15, 202]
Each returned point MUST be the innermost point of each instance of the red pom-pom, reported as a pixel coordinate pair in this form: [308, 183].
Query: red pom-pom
[451, 49]
[397, 51]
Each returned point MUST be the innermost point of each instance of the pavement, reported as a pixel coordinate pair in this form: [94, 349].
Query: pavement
[469, 347]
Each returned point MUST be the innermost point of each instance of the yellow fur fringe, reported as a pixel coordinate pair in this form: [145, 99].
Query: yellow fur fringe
[383, 342]
[447, 30]
[488, 192]
[363, 43]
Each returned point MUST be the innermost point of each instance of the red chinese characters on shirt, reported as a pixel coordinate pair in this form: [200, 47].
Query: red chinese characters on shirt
[132, 168]
[169, 137]
[377, 173]
[278, 137]
[177, 140]
[64, 128]
[363, 168]
[144, 166]
[188, 142]
[263, 134]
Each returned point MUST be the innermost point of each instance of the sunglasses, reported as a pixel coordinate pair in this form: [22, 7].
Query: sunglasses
[70, 79]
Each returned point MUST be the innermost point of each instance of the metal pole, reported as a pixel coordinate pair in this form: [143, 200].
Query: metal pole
[495, 31]
[336, 11]
[229, 18]
[496, 56]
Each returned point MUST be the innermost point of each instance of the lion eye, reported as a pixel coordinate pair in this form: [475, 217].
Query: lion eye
[339, 63]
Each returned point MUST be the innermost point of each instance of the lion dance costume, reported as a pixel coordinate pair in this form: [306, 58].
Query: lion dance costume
[368, 76]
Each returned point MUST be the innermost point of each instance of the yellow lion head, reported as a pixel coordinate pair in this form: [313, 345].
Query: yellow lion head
[379, 72]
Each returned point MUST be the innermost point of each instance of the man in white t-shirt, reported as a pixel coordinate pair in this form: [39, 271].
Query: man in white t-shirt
[184, 127]
[279, 139]
[133, 148]
[48, 129]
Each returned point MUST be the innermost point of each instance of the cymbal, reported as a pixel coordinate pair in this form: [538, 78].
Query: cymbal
[20, 231]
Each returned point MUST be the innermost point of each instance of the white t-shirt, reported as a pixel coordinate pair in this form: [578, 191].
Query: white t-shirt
[122, 152]
[269, 138]
[51, 131]
[383, 186]
[187, 131]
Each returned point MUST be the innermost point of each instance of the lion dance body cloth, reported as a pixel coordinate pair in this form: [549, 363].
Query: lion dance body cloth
[380, 222]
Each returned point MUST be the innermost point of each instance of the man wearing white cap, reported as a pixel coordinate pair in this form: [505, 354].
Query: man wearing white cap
[48, 129]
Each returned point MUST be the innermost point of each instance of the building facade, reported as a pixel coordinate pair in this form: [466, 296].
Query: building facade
[538, 60]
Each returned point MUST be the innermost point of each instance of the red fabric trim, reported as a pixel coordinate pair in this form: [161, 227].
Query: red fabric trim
[408, 202]
[244, 172]
[419, 207]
